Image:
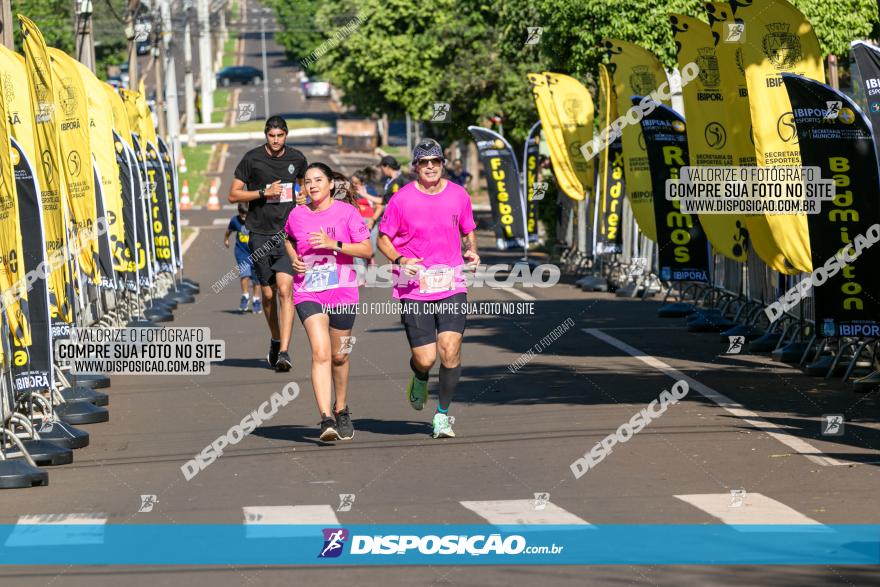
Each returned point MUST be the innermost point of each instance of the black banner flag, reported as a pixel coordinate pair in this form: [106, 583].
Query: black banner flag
[503, 179]
[682, 245]
[836, 136]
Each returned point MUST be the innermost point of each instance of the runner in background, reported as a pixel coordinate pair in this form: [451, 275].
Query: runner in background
[421, 231]
[324, 237]
[264, 179]
[243, 259]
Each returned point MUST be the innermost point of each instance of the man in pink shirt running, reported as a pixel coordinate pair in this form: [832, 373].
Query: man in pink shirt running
[422, 232]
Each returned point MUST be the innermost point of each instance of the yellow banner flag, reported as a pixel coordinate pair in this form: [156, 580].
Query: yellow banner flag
[575, 111]
[120, 117]
[148, 130]
[707, 124]
[777, 38]
[47, 166]
[636, 72]
[104, 152]
[129, 100]
[551, 126]
[14, 80]
[12, 263]
[72, 110]
[740, 141]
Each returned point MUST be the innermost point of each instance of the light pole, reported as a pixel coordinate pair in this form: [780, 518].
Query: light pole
[85, 43]
[265, 66]
[188, 90]
[172, 108]
[205, 60]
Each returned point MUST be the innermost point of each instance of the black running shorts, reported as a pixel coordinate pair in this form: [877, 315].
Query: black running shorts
[423, 320]
[339, 320]
[269, 257]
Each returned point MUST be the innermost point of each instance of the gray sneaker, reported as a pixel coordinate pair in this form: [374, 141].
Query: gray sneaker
[344, 427]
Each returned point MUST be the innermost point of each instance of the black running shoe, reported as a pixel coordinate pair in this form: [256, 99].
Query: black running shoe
[328, 430]
[343, 424]
[272, 357]
[283, 364]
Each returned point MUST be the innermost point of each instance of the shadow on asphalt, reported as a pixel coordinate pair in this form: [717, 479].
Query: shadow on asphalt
[309, 434]
[249, 363]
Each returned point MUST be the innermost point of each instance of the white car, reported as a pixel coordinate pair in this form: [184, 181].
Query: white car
[317, 89]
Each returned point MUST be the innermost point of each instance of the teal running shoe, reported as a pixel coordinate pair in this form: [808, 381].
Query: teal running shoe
[442, 426]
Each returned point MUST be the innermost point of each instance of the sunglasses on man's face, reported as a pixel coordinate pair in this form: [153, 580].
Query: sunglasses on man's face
[430, 161]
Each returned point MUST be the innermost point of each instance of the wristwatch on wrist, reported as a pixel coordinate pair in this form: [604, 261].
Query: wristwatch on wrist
[262, 192]
[339, 246]
[397, 260]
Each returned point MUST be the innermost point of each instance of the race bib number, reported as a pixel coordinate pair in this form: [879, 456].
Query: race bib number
[284, 197]
[436, 280]
[322, 277]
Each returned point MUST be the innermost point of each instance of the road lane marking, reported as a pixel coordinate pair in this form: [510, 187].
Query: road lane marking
[518, 293]
[521, 511]
[189, 241]
[31, 530]
[256, 518]
[796, 444]
[754, 508]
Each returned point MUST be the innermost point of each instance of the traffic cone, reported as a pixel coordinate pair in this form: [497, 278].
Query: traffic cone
[185, 202]
[213, 200]
[181, 164]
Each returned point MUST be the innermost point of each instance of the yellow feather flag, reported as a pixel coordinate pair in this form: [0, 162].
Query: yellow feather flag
[740, 141]
[551, 126]
[120, 116]
[48, 166]
[636, 72]
[707, 124]
[72, 111]
[14, 82]
[11, 252]
[575, 111]
[777, 38]
[104, 152]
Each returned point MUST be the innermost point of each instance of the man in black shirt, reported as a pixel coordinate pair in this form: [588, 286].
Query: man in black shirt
[265, 179]
[394, 177]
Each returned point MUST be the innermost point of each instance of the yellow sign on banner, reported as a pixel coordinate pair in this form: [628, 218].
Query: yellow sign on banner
[707, 126]
[636, 72]
[575, 111]
[740, 139]
[551, 126]
[72, 110]
[778, 39]
[47, 165]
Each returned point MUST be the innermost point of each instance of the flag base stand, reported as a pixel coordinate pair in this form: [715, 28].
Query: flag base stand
[93, 380]
[790, 353]
[676, 310]
[81, 393]
[867, 383]
[142, 324]
[81, 413]
[62, 434]
[188, 281]
[592, 283]
[711, 323]
[749, 331]
[46, 453]
[764, 344]
[16, 474]
[166, 302]
[158, 315]
[181, 297]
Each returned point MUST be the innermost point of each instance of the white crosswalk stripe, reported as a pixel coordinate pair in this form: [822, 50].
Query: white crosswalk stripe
[255, 517]
[749, 508]
[521, 511]
[29, 530]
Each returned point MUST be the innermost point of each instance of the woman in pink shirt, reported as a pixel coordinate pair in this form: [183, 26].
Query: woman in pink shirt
[323, 238]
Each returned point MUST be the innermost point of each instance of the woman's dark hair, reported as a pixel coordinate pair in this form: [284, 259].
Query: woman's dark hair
[243, 208]
[341, 188]
[274, 122]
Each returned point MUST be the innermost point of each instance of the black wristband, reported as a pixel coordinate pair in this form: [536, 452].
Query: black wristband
[397, 260]
[339, 245]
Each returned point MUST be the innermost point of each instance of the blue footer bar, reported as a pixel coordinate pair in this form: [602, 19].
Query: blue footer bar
[254, 544]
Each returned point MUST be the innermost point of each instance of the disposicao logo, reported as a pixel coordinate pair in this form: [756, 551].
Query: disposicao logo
[334, 541]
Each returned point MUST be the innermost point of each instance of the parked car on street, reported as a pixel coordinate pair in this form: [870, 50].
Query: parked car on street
[240, 74]
[317, 89]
